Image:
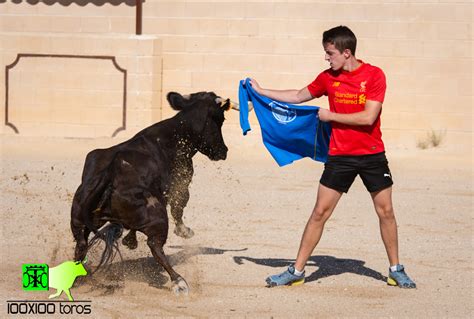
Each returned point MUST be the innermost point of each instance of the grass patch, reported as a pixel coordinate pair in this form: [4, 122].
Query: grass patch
[432, 139]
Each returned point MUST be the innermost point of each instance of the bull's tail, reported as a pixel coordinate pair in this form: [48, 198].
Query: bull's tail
[110, 234]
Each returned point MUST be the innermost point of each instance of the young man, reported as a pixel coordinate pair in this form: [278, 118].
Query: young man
[356, 92]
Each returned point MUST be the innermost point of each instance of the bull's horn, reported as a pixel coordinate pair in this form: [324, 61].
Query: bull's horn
[186, 96]
[225, 102]
[236, 106]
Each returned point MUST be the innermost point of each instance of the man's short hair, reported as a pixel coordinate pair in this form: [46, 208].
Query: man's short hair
[342, 38]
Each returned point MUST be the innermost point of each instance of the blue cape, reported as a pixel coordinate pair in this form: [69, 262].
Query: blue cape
[290, 132]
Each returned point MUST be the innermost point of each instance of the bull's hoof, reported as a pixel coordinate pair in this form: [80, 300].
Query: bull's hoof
[130, 241]
[180, 287]
[183, 231]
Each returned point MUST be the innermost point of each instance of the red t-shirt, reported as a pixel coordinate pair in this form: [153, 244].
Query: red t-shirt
[347, 93]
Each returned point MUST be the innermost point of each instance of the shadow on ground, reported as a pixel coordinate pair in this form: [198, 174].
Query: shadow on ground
[146, 269]
[327, 266]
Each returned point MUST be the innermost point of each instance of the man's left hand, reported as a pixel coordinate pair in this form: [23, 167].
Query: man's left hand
[325, 115]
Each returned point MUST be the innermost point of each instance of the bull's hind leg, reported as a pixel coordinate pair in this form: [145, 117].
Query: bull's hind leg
[80, 233]
[80, 210]
[156, 245]
[157, 234]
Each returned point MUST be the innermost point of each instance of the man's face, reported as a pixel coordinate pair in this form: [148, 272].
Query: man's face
[335, 58]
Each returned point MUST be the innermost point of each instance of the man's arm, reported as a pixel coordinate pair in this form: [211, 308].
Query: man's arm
[365, 117]
[287, 96]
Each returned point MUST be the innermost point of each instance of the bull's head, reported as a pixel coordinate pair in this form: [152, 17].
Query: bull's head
[177, 101]
[202, 116]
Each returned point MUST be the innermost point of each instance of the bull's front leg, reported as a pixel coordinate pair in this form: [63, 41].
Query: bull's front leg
[177, 205]
[179, 196]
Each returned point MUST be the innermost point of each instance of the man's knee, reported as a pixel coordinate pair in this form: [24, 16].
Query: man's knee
[385, 212]
[320, 214]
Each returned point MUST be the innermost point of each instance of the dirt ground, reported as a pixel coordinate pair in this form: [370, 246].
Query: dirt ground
[248, 215]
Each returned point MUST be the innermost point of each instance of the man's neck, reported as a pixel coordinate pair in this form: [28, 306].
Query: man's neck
[351, 64]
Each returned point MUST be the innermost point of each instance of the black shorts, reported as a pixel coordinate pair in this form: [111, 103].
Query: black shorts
[340, 171]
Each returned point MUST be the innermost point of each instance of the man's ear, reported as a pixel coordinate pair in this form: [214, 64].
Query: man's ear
[347, 53]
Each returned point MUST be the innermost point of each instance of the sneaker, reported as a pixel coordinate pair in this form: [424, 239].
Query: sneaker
[400, 278]
[287, 277]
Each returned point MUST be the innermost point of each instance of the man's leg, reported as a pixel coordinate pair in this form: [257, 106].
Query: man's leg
[388, 229]
[326, 201]
[388, 224]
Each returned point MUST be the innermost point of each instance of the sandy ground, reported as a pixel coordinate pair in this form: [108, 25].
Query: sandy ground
[248, 215]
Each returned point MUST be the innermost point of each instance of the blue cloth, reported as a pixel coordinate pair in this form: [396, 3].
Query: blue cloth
[289, 132]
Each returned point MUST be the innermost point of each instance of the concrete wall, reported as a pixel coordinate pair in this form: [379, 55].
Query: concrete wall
[424, 47]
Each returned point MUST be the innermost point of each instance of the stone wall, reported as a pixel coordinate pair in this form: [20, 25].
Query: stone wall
[424, 47]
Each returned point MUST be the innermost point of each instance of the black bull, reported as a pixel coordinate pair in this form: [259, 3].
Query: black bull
[130, 184]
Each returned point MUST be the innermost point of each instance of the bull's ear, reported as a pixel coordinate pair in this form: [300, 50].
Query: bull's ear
[176, 100]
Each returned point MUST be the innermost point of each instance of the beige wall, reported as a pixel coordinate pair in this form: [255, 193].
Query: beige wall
[79, 86]
[424, 47]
